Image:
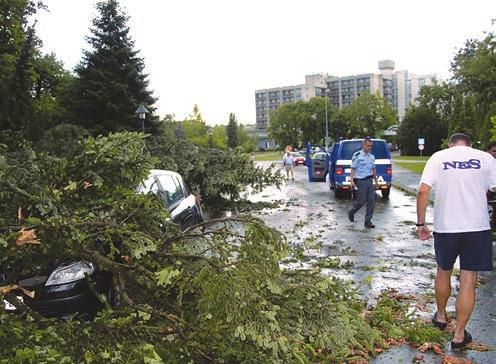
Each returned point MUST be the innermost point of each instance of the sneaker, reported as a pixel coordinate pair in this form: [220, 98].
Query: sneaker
[369, 225]
[351, 217]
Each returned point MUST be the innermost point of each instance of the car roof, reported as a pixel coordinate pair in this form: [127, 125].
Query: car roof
[159, 172]
[145, 185]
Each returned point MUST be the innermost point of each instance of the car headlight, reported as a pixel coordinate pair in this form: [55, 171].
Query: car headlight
[70, 273]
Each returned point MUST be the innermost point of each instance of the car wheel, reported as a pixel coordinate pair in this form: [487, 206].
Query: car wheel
[385, 193]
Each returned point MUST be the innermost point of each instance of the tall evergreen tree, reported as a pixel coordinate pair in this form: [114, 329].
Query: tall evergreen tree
[232, 131]
[111, 83]
[18, 48]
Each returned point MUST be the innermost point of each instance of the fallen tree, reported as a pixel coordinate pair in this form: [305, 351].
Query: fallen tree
[216, 294]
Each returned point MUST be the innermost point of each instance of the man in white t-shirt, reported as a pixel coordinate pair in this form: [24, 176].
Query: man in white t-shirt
[461, 176]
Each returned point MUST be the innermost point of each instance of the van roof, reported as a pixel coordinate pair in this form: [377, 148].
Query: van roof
[360, 140]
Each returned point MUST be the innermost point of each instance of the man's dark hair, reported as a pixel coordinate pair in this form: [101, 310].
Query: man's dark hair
[367, 139]
[455, 138]
[491, 144]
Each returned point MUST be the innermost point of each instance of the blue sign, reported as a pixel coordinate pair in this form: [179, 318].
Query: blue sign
[421, 141]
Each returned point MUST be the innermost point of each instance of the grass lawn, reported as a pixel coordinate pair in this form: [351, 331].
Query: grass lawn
[416, 167]
[268, 156]
[410, 158]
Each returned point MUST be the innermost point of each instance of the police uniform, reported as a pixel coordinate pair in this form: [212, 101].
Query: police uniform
[363, 164]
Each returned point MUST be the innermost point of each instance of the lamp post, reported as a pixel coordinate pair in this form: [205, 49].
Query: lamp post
[142, 111]
[326, 91]
[210, 132]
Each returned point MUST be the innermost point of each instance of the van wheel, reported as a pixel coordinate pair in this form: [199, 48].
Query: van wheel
[338, 193]
[385, 193]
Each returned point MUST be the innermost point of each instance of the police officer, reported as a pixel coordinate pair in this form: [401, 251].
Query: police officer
[363, 176]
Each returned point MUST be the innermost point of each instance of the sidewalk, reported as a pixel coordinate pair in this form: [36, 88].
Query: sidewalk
[407, 181]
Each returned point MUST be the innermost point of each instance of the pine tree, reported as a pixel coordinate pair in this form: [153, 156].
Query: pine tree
[232, 131]
[18, 49]
[111, 83]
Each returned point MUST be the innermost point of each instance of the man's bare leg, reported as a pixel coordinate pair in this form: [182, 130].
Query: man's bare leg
[442, 287]
[465, 302]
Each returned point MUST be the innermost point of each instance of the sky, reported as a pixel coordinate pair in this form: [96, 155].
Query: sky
[216, 53]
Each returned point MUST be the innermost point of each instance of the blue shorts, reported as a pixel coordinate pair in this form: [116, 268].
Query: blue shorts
[475, 249]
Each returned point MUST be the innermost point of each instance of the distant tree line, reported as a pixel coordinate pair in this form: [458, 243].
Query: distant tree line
[305, 121]
[465, 103]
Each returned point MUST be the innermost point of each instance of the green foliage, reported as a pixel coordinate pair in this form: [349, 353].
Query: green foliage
[247, 142]
[304, 121]
[49, 91]
[466, 103]
[111, 82]
[421, 122]
[220, 295]
[213, 173]
[300, 122]
[232, 131]
[18, 49]
[62, 140]
[369, 114]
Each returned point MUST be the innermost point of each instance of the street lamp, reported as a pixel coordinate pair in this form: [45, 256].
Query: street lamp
[210, 132]
[142, 111]
[326, 92]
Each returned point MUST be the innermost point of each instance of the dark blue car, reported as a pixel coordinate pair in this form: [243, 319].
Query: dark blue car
[340, 162]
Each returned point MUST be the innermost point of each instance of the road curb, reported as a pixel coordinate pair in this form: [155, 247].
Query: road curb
[407, 190]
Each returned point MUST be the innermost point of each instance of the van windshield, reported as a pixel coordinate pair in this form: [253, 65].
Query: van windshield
[379, 149]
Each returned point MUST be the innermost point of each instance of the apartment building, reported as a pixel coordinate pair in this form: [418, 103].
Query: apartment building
[400, 88]
[270, 99]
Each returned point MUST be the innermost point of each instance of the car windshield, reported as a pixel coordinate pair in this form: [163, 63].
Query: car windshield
[295, 154]
[379, 149]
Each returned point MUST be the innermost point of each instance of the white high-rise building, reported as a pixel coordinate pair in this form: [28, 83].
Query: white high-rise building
[400, 88]
[270, 99]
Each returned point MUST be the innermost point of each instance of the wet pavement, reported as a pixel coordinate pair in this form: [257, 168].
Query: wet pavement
[387, 257]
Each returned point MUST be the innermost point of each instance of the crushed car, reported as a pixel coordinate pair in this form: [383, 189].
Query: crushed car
[64, 290]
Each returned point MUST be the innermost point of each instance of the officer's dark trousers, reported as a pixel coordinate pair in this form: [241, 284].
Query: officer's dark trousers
[366, 195]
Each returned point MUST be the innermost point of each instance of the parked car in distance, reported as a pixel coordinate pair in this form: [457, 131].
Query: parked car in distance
[299, 160]
[64, 291]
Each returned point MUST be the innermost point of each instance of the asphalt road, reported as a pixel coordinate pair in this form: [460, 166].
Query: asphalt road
[387, 257]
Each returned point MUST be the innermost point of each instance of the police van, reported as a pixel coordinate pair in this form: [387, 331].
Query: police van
[340, 165]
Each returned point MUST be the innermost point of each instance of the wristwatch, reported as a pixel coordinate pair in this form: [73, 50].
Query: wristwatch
[419, 225]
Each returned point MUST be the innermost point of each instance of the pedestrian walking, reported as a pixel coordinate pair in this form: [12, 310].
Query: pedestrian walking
[363, 178]
[491, 148]
[461, 176]
[288, 162]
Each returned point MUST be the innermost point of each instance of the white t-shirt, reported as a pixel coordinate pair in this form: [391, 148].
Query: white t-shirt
[288, 160]
[461, 176]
